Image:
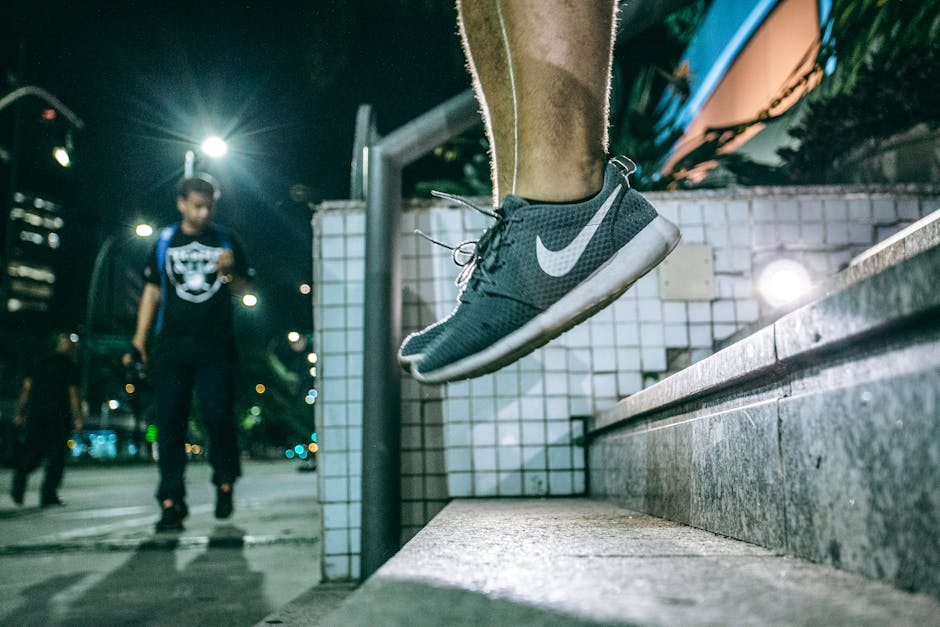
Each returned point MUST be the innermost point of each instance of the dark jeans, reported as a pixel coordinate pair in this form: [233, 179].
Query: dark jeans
[182, 365]
[45, 439]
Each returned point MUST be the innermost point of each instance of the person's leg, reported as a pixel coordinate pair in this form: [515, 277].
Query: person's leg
[56, 449]
[570, 234]
[541, 71]
[215, 389]
[173, 376]
[28, 458]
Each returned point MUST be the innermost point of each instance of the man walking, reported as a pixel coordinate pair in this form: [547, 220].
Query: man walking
[49, 402]
[190, 277]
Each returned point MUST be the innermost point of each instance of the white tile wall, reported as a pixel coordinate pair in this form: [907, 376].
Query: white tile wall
[512, 433]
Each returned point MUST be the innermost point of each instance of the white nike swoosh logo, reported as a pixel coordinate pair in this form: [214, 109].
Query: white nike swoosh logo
[558, 263]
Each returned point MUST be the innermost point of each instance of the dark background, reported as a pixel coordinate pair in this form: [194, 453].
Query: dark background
[150, 80]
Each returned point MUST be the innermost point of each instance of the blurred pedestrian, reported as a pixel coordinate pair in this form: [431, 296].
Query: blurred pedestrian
[190, 278]
[49, 405]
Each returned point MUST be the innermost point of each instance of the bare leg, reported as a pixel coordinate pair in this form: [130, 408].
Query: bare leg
[541, 71]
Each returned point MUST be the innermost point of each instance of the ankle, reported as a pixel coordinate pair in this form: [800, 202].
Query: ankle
[564, 185]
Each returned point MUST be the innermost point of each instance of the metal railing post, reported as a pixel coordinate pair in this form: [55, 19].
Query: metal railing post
[381, 402]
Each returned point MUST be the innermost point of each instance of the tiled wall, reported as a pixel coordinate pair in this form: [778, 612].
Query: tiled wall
[513, 433]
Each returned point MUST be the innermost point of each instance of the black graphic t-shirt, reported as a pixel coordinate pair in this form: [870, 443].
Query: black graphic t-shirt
[52, 375]
[196, 301]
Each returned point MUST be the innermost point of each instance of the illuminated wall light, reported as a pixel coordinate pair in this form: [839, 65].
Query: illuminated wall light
[304, 288]
[249, 300]
[299, 449]
[260, 388]
[143, 230]
[310, 400]
[312, 447]
[313, 371]
[293, 336]
[783, 281]
[113, 404]
[312, 358]
[129, 388]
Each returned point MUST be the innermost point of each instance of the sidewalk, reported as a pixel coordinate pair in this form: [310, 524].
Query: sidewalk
[98, 561]
[577, 561]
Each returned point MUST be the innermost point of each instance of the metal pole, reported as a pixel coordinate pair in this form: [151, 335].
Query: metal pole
[97, 268]
[189, 164]
[381, 405]
[39, 92]
[381, 402]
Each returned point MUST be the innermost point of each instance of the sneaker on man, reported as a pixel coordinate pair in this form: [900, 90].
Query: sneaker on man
[18, 489]
[464, 254]
[51, 501]
[223, 502]
[413, 346]
[542, 269]
[170, 519]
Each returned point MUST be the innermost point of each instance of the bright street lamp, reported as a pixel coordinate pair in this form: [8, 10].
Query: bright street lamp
[213, 146]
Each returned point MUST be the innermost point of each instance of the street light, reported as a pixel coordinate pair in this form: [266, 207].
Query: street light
[213, 146]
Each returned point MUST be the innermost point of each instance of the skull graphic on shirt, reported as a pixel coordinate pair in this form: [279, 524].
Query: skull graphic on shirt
[193, 271]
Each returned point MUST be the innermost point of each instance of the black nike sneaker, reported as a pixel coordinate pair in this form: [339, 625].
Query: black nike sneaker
[542, 269]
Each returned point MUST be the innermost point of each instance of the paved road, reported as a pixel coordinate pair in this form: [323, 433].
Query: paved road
[97, 561]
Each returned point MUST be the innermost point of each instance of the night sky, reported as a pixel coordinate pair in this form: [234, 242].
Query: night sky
[280, 82]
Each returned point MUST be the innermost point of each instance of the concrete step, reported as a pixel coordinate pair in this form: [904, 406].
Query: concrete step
[586, 562]
[815, 435]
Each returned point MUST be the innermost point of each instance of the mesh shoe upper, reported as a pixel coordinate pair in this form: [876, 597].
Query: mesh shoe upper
[413, 346]
[527, 262]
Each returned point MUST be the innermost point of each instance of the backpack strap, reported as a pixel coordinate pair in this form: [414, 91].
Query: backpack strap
[163, 243]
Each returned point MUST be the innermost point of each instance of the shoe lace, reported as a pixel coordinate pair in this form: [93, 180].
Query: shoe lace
[476, 258]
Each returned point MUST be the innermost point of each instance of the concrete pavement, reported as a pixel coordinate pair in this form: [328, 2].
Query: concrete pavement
[98, 561]
[570, 561]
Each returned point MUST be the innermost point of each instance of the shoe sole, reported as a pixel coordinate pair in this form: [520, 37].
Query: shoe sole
[601, 288]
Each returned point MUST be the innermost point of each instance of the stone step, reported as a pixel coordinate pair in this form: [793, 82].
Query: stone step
[586, 562]
[815, 435]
